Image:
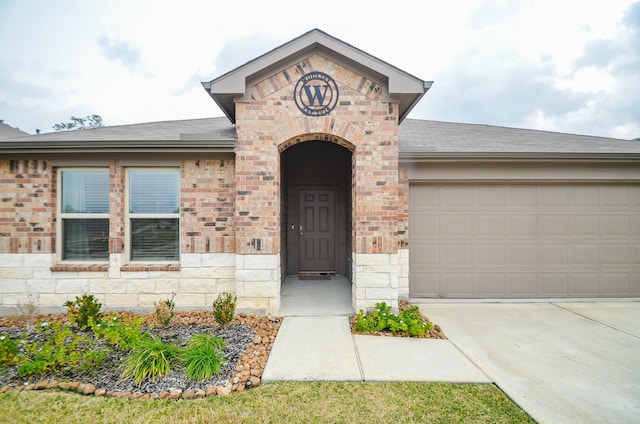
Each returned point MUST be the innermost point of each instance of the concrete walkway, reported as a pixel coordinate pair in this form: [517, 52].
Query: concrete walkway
[323, 348]
[561, 362]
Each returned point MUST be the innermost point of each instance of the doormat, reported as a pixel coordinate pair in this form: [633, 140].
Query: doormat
[314, 277]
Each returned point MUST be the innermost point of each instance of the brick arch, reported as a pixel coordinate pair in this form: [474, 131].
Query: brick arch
[327, 128]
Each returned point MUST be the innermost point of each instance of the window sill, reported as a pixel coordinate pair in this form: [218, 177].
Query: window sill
[80, 268]
[150, 267]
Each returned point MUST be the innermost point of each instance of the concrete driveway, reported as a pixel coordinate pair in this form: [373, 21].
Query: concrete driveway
[561, 362]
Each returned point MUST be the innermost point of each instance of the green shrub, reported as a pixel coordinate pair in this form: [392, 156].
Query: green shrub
[203, 357]
[125, 334]
[164, 311]
[149, 360]
[60, 348]
[381, 318]
[84, 311]
[8, 351]
[224, 308]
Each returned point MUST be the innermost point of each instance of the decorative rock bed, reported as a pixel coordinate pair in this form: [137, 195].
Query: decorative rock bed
[249, 339]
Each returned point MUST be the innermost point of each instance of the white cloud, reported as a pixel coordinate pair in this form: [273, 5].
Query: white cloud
[567, 66]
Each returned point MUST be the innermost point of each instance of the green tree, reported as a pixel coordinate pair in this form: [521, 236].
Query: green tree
[89, 121]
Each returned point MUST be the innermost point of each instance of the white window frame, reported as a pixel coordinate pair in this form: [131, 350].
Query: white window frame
[128, 215]
[62, 216]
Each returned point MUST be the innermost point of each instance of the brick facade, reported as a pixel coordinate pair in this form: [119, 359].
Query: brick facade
[27, 210]
[231, 217]
[360, 120]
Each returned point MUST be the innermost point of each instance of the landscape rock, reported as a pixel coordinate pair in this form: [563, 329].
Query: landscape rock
[88, 389]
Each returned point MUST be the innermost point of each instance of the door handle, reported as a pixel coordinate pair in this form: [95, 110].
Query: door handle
[300, 232]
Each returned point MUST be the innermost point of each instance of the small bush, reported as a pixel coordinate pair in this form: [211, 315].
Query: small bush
[203, 357]
[84, 311]
[125, 334]
[60, 348]
[149, 360]
[164, 311]
[381, 318]
[8, 351]
[224, 308]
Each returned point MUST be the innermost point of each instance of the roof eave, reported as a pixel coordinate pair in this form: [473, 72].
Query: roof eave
[120, 146]
[426, 156]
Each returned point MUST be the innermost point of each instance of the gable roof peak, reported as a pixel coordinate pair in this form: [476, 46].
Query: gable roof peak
[233, 86]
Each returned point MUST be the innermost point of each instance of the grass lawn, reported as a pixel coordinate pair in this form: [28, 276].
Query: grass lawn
[283, 402]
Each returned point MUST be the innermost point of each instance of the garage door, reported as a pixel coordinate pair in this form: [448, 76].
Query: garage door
[524, 240]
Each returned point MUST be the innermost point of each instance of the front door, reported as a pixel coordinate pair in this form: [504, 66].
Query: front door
[316, 230]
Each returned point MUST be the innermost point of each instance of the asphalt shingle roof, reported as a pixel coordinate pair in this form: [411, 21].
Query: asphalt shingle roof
[448, 137]
[416, 137]
[7, 131]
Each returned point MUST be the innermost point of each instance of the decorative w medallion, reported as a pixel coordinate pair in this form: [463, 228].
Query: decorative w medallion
[316, 94]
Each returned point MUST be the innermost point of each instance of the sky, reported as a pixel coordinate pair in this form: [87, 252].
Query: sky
[566, 66]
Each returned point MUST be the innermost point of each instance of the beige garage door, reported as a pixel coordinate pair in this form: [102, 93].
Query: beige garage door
[524, 240]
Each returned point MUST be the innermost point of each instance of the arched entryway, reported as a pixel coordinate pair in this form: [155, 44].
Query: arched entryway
[316, 228]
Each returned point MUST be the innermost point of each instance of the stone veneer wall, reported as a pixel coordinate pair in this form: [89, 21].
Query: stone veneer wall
[27, 277]
[403, 233]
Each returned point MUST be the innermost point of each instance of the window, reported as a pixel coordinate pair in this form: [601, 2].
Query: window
[84, 215]
[153, 215]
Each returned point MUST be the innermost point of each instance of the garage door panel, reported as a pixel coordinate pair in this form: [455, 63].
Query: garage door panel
[522, 225]
[521, 284]
[458, 284]
[553, 254]
[614, 254]
[635, 283]
[457, 197]
[457, 226]
[584, 284]
[523, 254]
[524, 240]
[553, 284]
[522, 197]
[554, 225]
[617, 284]
[490, 225]
[616, 226]
[489, 284]
[429, 283]
[489, 255]
[553, 196]
[425, 225]
[425, 254]
[616, 197]
[457, 254]
[585, 226]
[424, 196]
[585, 197]
[584, 254]
[490, 197]
[634, 196]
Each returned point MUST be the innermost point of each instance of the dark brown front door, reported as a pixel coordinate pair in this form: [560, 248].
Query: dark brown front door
[316, 230]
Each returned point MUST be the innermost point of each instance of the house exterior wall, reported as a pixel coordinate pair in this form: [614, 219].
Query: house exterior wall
[362, 122]
[230, 209]
[30, 271]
